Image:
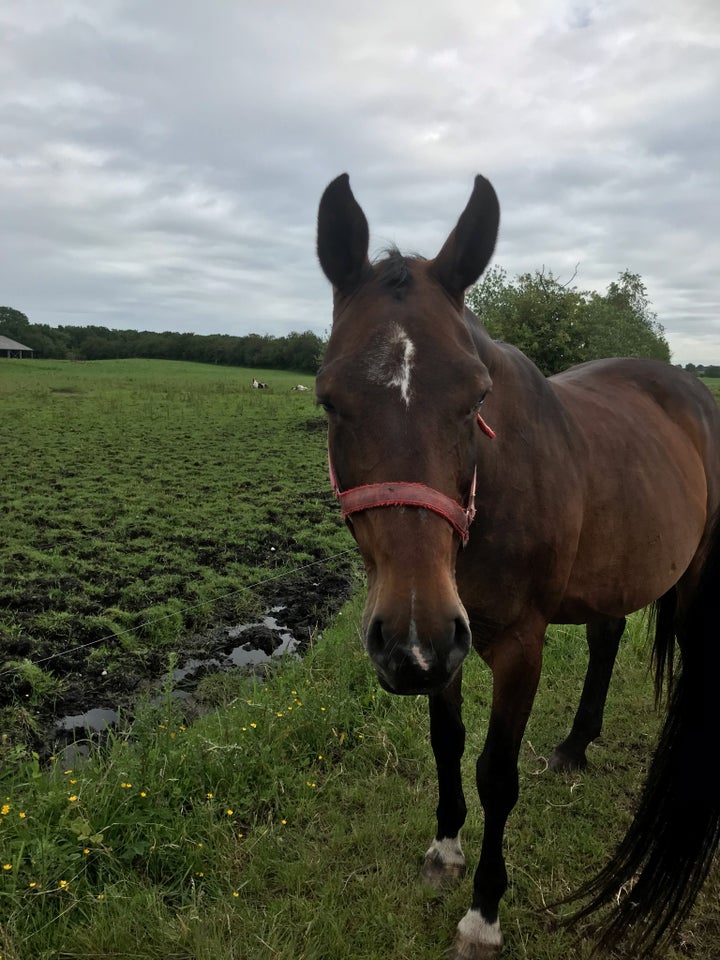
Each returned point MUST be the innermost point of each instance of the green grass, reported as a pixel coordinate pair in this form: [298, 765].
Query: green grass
[146, 499]
[290, 821]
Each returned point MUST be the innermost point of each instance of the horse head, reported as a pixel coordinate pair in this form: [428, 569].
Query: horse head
[401, 382]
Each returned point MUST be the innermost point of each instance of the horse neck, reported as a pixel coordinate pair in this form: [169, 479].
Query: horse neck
[516, 377]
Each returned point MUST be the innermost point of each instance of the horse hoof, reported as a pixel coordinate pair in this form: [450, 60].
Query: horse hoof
[476, 939]
[561, 762]
[444, 864]
[441, 875]
[475, 951]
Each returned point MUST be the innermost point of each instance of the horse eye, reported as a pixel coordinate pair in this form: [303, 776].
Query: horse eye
[325, 404]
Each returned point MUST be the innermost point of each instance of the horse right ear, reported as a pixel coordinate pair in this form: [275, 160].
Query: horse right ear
[342, 236]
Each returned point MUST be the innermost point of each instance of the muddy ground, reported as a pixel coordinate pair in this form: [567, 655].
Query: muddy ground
[91, 697]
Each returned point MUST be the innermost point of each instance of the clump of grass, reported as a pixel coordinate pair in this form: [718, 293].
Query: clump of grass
[31, 681]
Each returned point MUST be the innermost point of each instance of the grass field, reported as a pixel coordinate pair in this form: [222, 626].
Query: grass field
[289, 821]
[142, 500]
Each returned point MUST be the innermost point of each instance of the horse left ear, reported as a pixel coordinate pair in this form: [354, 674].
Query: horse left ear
[468, 249]
[343, 235]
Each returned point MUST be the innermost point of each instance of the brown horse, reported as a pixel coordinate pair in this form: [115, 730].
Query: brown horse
[574, 499]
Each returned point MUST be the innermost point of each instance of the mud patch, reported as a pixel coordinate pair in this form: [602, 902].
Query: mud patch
[93, 701]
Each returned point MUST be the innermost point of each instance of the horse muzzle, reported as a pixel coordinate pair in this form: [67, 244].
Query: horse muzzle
[411, 663]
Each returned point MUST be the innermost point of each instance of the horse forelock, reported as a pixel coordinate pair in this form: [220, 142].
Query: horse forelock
[393, 271]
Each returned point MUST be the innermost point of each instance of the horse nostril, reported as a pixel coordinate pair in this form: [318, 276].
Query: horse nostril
[374, 639]
[463, 637]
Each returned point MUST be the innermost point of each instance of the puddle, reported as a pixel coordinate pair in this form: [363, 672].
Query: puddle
[96, 720]
[246, 654]
[256, 643]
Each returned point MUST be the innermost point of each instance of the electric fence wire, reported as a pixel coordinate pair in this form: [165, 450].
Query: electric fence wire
[285, 574]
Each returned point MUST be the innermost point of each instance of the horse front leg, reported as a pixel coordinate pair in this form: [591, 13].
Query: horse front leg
[515, 661]
[445, 861]
[603, 639]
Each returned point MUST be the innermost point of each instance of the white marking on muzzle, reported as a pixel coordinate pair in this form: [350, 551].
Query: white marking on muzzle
[414, 645]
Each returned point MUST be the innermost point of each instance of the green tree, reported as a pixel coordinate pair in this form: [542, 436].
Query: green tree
[556, 325]
[13, 323]
[536, 313]
[631, 328]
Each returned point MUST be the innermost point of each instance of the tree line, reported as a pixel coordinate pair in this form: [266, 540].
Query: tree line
[295, 351]
[554, 324]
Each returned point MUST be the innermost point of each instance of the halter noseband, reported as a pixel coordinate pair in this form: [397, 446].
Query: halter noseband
[408, 494]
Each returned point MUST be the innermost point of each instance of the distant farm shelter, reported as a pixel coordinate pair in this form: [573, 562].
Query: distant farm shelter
[11, 348]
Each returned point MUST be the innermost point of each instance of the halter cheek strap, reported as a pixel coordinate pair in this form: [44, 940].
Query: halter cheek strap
[404, 494]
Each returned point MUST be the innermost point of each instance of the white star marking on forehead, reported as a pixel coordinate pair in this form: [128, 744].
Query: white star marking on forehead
[391, 362]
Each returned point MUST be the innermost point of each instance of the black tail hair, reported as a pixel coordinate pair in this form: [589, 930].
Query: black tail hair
[668, 849]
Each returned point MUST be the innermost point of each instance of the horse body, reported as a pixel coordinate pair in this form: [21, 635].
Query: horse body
[593, 500]
[659, 427]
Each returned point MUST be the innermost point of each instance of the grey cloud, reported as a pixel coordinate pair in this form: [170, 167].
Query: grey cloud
[162, 163]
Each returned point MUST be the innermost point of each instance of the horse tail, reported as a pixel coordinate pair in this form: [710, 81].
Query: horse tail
[668, 849]
[661, 627]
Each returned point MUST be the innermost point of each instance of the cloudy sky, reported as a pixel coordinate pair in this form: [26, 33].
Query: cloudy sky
[161, 161]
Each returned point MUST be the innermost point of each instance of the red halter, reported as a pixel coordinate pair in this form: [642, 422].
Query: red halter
[404, 494]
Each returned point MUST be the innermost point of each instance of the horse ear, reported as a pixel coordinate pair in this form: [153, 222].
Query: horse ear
[342, 235]
[468, 249]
